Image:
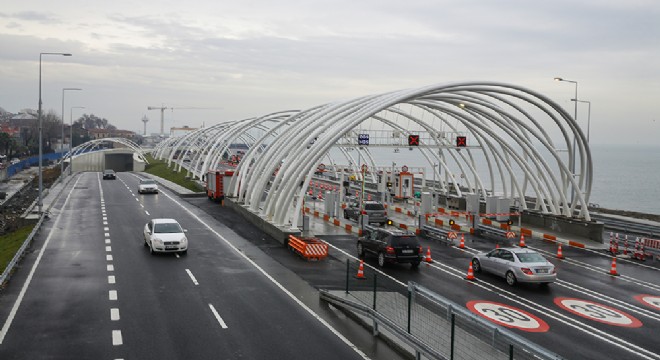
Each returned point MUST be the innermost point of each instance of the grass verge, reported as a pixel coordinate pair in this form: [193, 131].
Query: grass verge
[159, 168]
[10, 243]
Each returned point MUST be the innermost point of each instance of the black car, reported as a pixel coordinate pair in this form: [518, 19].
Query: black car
[374, 209]
[390, 246]
[109, 175]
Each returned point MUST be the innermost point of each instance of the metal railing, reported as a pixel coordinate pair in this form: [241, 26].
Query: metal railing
[430, 324]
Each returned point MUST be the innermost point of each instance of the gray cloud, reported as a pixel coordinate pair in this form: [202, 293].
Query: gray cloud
[36, 16]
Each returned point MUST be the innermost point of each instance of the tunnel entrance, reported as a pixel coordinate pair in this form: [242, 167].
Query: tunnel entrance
[119, 162]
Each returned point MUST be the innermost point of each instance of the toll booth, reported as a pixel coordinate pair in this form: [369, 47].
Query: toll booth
[403, 185]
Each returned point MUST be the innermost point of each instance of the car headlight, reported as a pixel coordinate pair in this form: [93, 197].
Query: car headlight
[157, 241]
[184, 240]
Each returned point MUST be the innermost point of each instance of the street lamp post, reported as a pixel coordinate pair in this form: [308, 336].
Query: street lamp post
[62, 146]
[572, 160]
[71, 137]
[588, 116]
[40, 203]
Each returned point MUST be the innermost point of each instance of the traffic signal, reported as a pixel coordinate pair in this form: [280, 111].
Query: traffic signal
[452, 222]
[461, 141]
[413, 140]
[389, 184]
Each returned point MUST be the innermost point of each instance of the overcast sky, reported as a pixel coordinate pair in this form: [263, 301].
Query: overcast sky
[253, 57]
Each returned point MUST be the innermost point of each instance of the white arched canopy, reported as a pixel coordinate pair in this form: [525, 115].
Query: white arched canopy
[519, 143]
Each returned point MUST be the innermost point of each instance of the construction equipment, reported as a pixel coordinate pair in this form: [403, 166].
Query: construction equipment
[162, 114]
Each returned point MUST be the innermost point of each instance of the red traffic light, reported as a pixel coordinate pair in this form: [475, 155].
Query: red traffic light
[461, 141]
[413, 140]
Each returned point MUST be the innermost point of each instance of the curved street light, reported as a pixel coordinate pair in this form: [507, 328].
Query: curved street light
[71, 137]
[62, 146]
[572, 160]
[40, 203]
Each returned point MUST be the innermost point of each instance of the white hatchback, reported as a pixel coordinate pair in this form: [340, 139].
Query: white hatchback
[165, 235]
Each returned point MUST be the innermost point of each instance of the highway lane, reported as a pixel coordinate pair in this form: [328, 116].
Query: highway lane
[98, 293]
[595, 338]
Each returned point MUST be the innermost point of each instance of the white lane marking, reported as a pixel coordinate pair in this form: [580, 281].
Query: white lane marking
[112, 295]
[111, 279]
[105, 223]
[192, 277]
[106, 229]
[272, 279]
[142, 205]
[114, 314]
[108, 248]
[105, 218]
[217, 316]
[110, 267]
[177, 255]
[136, 199]
[107, 241]
[19, 299]
[116, 338]
[106, 234]
[146, 212]
[108, 257]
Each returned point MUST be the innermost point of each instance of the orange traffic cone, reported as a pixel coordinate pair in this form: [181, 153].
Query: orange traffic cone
[613, 271]
[522, 241]
[428, 256]
[470, 274]
[360, 273]
[560, 255]
[462, 244]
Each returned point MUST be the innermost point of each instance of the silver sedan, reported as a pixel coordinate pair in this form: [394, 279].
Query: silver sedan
[516, 265]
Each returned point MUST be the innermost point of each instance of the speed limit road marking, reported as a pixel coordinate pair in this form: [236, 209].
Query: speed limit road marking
[597, 312]
[649, 300]
[507, 316]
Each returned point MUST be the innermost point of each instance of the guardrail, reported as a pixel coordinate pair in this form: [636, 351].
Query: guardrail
[6, 274]
[490, 231]
[440, 234]
[431, 324]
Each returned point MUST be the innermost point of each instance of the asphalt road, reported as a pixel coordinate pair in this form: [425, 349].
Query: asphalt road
[590, 314]
[91, 290]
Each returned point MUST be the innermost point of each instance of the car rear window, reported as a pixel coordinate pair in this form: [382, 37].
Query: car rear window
[530, 257]
[374, 207]
[148, 181]
[404, 240]
[167, 228]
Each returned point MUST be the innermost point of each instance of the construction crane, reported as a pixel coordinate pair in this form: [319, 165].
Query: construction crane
[162, 114]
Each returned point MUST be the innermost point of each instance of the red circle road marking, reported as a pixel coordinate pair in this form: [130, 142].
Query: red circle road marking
[649, 300]
[597, 312]
[507, 316]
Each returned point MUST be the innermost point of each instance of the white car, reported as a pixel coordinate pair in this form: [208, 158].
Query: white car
[165, 235]
[148, 186]
[516, 265]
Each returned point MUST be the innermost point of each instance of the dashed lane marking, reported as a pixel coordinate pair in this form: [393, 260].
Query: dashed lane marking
[114, 314]
[110, 267]
[111, 279]
[108, 257]
[108, 248]
[112, 295]
[116, 338]
[107, 241]
[192, 277]
[217, 317]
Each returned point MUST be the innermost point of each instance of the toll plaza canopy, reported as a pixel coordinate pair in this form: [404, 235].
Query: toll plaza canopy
[498, 139]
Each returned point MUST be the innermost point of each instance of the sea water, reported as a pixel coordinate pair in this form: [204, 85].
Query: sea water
[625, 177]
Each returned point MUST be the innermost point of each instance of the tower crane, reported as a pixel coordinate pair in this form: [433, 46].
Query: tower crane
[162, 114]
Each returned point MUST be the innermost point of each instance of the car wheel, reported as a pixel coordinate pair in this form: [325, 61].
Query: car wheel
[151, 249]
[360, 250]
[476, 265]
[381, 259]
[510, 278]
[415, 265]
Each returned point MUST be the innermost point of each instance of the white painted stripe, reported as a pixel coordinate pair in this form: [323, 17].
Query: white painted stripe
[105, 218]
[28, 280]
[114, 314]
[142, 205]
[110, 267]
[111, 279]
[116, 338]
[106, 234]
[217, 316]
[107, 241]
[106, 229]
[272, 279]
[105, 223]
[112, 295]
[192, 277]
[136, 199]
[108, 248]
[146, 212]
[108, 257]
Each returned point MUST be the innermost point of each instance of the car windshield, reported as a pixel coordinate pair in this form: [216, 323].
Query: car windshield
[167, 228]
[374, 207]
[404, 240]
[148, 182]
[530, 257]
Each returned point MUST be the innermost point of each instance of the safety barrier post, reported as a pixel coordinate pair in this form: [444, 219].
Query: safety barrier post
[409, 307]
[348, 269]
[451, 344]
[375, 286]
